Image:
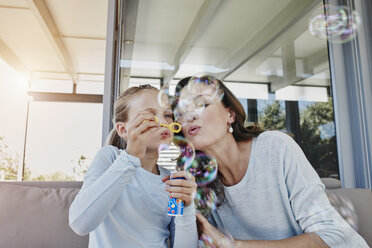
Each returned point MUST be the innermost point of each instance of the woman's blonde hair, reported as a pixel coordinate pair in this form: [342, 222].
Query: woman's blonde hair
[121, 110]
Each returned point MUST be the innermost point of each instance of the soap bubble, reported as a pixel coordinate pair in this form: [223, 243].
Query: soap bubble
[187, 109]
[207, 87]
[192, 99]
[164, 98]
[205, 200]
[203, 168]
[338, 25]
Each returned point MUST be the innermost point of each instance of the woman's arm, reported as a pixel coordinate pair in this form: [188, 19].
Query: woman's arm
[103, 184]
[321, 224]
[309, 202]
[307, 240]
[219, 240]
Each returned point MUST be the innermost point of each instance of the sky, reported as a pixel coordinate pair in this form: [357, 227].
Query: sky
[58, 133]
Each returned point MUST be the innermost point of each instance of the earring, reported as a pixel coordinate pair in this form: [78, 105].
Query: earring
[231, 130]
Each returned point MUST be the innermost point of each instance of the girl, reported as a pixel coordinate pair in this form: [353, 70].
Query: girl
[123, 201]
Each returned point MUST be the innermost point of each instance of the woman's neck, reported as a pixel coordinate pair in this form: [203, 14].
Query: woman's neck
[148, 162]
[232, 158]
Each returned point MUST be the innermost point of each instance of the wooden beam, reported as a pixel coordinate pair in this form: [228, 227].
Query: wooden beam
[65, 97]
[126, 35]
[13, 61]
[289, 16]
[45, 19]
[199, 24]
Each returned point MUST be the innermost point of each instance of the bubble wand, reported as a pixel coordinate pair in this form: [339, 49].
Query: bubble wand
[175, 127]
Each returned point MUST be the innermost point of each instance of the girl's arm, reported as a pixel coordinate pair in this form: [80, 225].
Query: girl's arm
[103, 184]
[183, 228]
[109, 173]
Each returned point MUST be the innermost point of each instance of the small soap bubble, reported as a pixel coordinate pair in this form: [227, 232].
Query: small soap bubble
[164, 98]
[163, 147]
[187, 152]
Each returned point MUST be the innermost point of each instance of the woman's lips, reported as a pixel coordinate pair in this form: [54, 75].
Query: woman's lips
[193, 130]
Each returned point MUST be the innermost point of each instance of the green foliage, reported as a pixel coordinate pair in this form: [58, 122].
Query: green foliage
[80, 168]
[9, 166]
[320, 151]
[9, 163]
[56, 176]
[272, 117]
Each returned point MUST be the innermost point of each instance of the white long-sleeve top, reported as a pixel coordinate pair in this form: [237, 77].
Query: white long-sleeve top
[282, 196]
[122, 205]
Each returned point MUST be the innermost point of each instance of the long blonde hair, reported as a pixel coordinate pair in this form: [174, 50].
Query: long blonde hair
[121, 109]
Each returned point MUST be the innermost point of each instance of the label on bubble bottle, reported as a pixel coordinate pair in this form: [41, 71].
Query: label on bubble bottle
[175, 206]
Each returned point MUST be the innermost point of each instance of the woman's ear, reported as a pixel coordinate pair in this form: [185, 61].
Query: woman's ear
[121, 130]
[231, 116]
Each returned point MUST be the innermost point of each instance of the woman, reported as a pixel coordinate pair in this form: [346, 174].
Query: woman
[123, 201]
[269, 194]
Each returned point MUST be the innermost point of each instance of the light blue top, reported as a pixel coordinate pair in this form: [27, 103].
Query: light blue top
[122, 205]
[281, 196]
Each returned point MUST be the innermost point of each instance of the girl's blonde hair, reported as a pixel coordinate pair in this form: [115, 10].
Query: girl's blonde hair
[121, 110]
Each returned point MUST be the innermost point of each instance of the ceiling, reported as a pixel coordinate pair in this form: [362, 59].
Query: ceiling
[238, 41]
[55, 44]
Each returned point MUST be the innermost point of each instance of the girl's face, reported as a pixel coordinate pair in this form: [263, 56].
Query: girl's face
[209, 126]
[147, 101]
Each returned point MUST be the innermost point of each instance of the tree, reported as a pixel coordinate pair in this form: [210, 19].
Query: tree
[272, 117]
[9, 163]
[318, 139]
[9, 166]
[56, 176]
[80, 168]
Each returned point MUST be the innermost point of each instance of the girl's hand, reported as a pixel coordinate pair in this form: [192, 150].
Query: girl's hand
[138, 131]
[181, 188]
[211, 235]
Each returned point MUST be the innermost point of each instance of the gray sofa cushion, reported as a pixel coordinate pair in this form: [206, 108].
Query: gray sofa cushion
[362, 201]
[37, 217]
[331, 183]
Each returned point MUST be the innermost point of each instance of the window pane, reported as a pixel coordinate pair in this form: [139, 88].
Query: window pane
[62, 139]
[262, 50]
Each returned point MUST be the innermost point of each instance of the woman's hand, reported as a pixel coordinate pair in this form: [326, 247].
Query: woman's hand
[211, 235]
[138, 131]
[181, 188]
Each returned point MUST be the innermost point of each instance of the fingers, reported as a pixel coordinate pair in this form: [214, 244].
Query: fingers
[146, 126]
[139, 120]
[184, 174]
[166, 178]
[142, 116]
[181, 182]
[180, 190]
[201, 219]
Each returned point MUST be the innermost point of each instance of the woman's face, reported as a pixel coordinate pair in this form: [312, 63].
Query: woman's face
[147, 101]
[209, 126]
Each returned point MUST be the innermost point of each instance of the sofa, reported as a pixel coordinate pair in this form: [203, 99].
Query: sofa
[35, 214]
